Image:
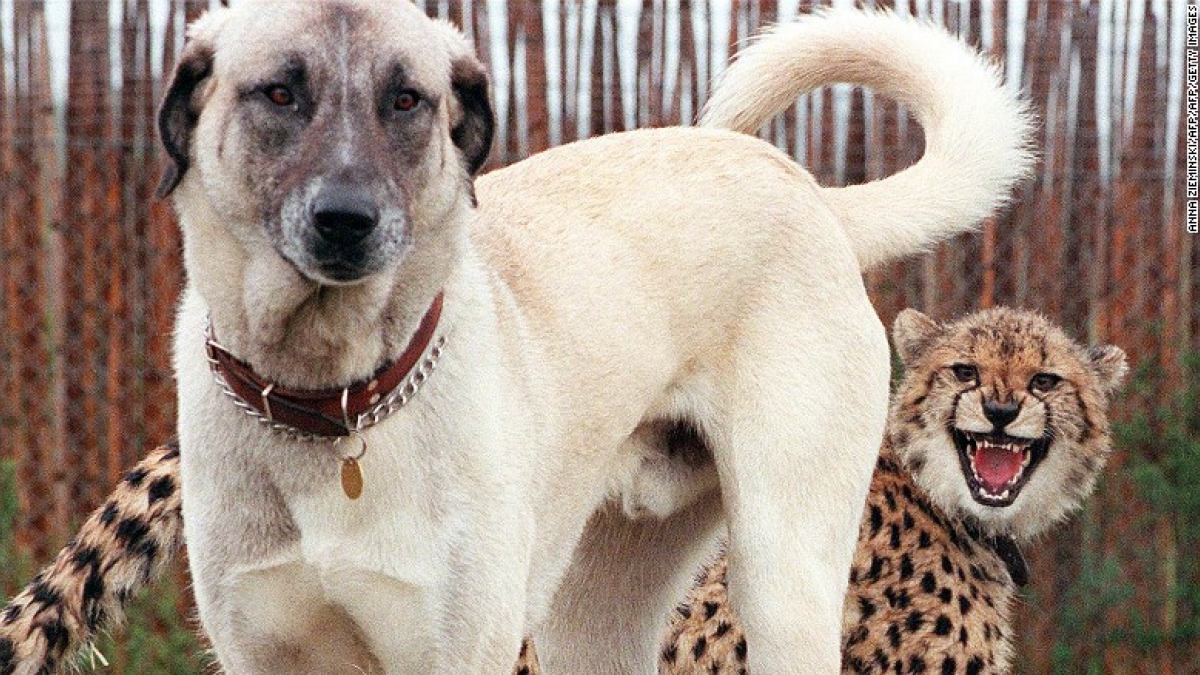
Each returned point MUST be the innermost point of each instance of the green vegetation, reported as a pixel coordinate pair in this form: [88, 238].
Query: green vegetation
[159, 637]
[1146, 596]
[1165, 467]
[14, 565]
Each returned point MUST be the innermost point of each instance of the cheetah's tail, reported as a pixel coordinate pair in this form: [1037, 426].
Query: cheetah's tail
[122, 547]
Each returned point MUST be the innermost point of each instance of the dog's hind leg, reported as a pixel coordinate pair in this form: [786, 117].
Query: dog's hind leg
[612, 611]
[795, 445]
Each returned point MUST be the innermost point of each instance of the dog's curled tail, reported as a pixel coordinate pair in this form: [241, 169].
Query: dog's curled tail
[978, 135]
[121, 548]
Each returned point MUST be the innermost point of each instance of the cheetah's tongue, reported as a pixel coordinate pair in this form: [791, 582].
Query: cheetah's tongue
[997, 466]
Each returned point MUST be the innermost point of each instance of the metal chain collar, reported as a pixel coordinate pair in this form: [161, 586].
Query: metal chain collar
[397, 399]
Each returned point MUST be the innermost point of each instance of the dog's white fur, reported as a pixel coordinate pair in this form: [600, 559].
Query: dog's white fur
[599, 289]
[976, 134]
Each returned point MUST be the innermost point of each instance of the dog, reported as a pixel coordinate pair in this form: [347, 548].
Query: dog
[423, 415]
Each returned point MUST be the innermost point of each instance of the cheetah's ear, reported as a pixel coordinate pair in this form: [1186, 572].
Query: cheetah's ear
[912, 334]
[1110, 365]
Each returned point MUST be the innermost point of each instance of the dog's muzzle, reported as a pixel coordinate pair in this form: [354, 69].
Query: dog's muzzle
[345, 239]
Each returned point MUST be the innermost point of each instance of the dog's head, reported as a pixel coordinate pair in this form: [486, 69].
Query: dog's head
[338, 134]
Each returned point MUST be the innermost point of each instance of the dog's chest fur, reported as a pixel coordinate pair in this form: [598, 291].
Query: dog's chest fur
[302, 552]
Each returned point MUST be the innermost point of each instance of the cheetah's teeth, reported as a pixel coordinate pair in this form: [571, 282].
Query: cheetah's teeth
[983, 461]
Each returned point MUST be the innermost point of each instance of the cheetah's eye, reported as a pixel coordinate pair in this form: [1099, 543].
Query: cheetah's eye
[965, 373]
[1044, 381]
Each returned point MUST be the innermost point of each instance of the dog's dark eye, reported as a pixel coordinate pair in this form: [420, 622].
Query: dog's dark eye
[406, 101]
[965, 373]
[1044, 381]
[280, 95]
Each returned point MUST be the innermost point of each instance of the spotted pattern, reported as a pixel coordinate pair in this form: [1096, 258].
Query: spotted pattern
[122, 546]
[934, 576]
[1008, 349]
[926, 596]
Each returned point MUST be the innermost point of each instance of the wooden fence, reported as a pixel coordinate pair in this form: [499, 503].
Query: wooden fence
[90, 262]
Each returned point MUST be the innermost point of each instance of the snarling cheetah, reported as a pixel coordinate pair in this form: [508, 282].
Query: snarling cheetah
[997, 431]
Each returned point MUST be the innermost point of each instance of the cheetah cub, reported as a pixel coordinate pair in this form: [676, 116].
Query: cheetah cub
[996, 432]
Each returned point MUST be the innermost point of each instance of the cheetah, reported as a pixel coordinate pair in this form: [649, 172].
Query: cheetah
[997, 431]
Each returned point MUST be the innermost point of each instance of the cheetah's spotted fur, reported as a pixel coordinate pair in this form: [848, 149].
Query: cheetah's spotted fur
[121, 547]
[926, 596]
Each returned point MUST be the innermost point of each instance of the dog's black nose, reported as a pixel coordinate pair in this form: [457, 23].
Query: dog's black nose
[344, 218]
[1000, 414]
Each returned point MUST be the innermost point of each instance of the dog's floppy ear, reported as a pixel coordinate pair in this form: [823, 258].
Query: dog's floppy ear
[472, 123]
[178, 114]
[180, 108]
[472, 131]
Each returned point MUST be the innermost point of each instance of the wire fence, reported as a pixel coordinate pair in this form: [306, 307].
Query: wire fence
[90, 263]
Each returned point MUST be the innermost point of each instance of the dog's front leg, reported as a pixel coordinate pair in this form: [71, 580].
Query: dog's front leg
[794, 452]
[483, 612]
[261, 606]
[470, 618]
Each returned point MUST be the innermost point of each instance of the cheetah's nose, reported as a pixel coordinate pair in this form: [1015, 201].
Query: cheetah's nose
[1000, 414]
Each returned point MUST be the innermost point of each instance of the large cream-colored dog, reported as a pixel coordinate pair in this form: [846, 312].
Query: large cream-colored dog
[641, 338]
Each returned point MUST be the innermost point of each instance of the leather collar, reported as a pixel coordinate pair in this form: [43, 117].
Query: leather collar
[327, 412]
[1007, 549]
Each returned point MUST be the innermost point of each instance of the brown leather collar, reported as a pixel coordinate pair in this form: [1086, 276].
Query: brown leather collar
[323, 412]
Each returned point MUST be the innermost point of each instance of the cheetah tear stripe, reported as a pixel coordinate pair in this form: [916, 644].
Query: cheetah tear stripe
[932, 583]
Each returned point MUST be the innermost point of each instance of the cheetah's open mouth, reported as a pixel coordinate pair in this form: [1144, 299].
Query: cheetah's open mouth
[997, 466]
